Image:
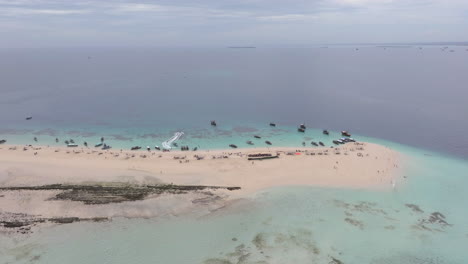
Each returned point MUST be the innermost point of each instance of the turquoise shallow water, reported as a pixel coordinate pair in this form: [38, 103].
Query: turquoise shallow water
[285, 225]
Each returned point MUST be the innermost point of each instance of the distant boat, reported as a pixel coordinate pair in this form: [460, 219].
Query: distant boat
[195, 148]
[261, 156]
[72, 141]
[302, 130]
[336, 142]
[213, 123]
[135, 148]
[325, 132]
[104, 147]
[345, 133]
[2, 141]
[232, 146]
[250, 142]
[268, 142]
[302, 126]
[303, 143]
[148, 148]
[86, 144]
[29, 118]
[56, 140]
[257, 136]
[272, 124]
[321, 144]
[98, 145]
[67, 142]
[314, 143]
[35, 139]
[72, 145]
[157, 147]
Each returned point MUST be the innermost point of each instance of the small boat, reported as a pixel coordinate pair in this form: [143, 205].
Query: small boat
[345, 133]
[314, 143]
[29, 118]
[2, 141]
[250, 142]
[302, 126]
[272, 124]
[257, 136]
[336, 142]
[135, 148]
[213, 123]
[232, 146]
[86, 144]
[340, 141]
[72, 141]
[148, 148]
[195, 148]
[268, 142]
[104, 147]
[302, 130]
[72, 145]
[98, 145]
[157, 147]
[325, 132]
[67, 142]
[261, 156]
[321, 144]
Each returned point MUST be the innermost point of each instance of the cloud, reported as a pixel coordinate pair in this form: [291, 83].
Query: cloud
[286, 17]
[16, 11]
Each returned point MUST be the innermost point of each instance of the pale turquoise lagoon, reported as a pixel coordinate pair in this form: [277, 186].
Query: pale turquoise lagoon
[285, 225]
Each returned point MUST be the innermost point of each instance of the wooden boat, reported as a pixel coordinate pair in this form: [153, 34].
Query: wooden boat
[106, 147]
[302, 130]
[29, 118]
[85, 144]
[3, 141]
[257, 136]
[314, 143]
[321, 144]
[302, 126]
[268, 142]
[72, 145]
[272, 124]
[213, 123]
[195, 148]
[336, 142]
[232, 146]
[157, 147]
[325, 132]
[345, 133]
[261, 156]
[135, 148]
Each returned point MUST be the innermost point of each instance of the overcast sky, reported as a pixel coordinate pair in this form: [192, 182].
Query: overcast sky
[29, 23]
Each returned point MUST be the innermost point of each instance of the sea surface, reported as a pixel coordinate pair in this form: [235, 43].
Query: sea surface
[410, 99]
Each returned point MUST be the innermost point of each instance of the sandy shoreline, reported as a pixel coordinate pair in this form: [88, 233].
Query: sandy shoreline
[353, 165]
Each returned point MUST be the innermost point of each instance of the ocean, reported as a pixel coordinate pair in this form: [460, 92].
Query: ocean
[412, 100]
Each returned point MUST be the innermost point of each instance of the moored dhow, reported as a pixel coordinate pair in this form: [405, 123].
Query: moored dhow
[135, 148]
[314, 143]
[272, 124]
[325, 132]
[268, 142]
[302, 130]
[257, 136]
[345, 133]
[2, 141]
[232, 146]
[261, 156]
[213, 123]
